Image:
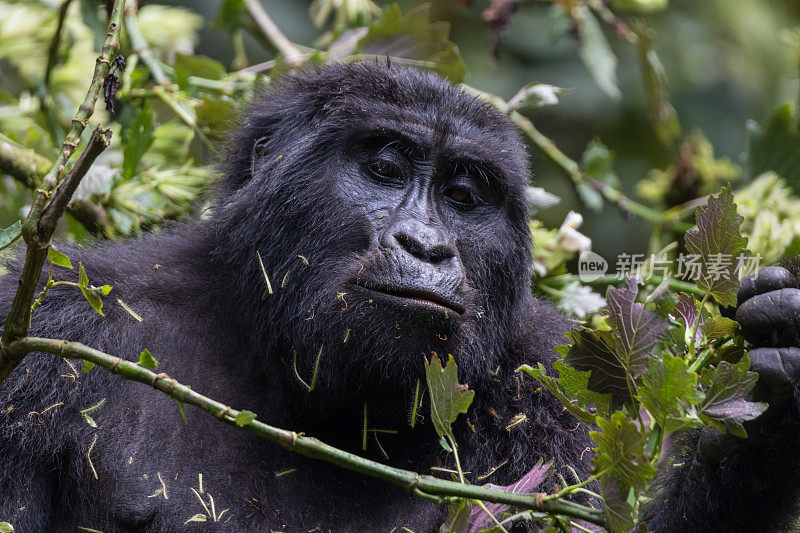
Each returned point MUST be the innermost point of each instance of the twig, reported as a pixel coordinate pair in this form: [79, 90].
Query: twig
[294, 56]
[52, 53]
[37, 238]
[98, 142]
[139, 45]
[307, 446]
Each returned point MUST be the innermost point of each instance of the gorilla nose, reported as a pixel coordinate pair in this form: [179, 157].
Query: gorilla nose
[424, 242]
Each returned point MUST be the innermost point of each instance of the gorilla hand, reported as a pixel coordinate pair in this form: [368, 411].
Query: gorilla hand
[768, 312]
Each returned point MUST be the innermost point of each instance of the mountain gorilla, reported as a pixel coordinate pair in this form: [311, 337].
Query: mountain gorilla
[388, 209]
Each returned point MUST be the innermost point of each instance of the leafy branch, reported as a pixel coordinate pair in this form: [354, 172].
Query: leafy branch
[422, 485]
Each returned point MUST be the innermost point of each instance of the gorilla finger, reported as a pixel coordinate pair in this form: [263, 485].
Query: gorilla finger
[771, 319]
[778, 371]
[767, 279]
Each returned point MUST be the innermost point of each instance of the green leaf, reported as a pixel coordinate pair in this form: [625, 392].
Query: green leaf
[596, 53]
[87, 366]
[617, 506]
[57, 258]
[615, 355]
[448, 397]
[147, 360]
[5, 527]
[598, 163]
[776, 147]
[716, 242]
[717, 327]
[232, 15]
[89, 420]
[92, 294]
[575, 384]
[725, 406]
[667, 389]
[10, 234]
[411, 39]
[244, 418]
[540, 374]
[196, 65]
[662, 114]
[620, 452]
[136, 136]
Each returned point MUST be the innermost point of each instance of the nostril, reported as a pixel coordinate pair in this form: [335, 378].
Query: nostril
[411, 245]
[439, 254]
[435, 254]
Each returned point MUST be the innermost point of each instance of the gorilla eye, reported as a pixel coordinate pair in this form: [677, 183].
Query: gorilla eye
[461, 195]
[385, 170]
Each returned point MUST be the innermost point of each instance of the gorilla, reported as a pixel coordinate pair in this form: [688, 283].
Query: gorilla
[386, 208]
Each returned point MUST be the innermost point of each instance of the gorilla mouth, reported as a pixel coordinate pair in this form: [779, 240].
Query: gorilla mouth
[420, 297]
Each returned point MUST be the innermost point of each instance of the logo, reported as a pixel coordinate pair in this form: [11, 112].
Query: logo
[591, 266]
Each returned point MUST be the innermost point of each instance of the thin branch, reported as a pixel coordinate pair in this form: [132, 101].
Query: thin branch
[307, 446]
[139, 45]
[28, 168]
[98, 142]
[23, 164]
[52, 53]
[37, 238]
[286, 47]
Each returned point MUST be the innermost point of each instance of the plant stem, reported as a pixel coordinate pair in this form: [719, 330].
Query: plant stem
[37, 236]
[139, 45]
[52, 53]
[609, 279]
[184, 115]
[272, 32]
[307, 446]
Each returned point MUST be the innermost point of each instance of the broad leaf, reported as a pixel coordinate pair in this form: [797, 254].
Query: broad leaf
[540, 374]
[10, 234]
[58, 258]
[717, 242]
[591, 352]
[662, 114]
[448, 397]
[575, 384]
[620, 452]
[147, 360]
[137, 137]
[725, 406]
[596, 53]
[412, 39]
[686, 310]
[621, 353]
[92, 294]
[667, 389]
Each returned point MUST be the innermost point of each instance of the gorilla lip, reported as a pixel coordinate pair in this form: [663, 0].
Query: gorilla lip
[419, 296]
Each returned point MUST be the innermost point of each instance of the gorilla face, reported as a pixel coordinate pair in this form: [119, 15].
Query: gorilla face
[390, 216]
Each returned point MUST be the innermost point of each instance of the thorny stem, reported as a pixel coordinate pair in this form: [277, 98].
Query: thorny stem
[36, 230]
[307, 446]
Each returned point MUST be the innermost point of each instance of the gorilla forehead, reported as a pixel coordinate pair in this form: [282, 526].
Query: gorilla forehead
[357, 97]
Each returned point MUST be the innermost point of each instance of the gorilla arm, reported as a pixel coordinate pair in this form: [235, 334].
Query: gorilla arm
[723, 483]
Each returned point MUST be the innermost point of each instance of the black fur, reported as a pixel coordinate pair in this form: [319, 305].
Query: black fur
[294, 192]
